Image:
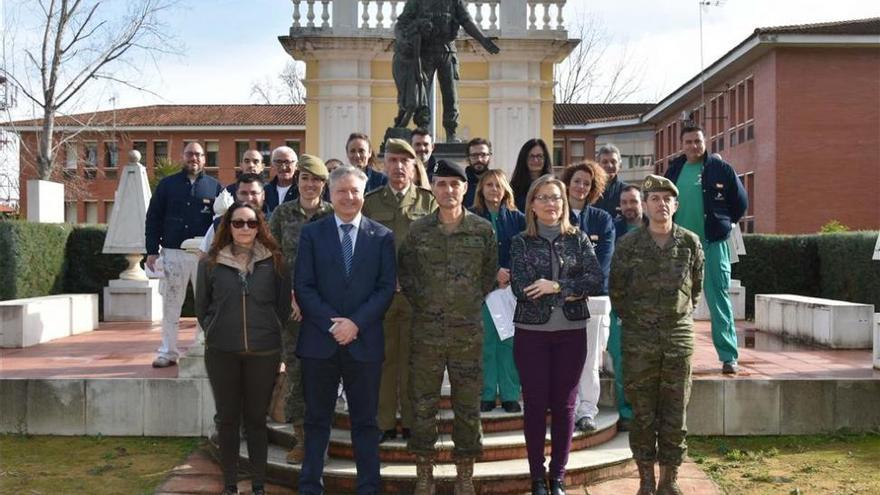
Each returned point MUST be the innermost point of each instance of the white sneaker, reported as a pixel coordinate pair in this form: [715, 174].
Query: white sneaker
[163, 362]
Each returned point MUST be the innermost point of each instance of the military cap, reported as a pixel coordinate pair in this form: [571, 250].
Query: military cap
[447, 168]
[313, 165]
[399, 147]
[656, 183]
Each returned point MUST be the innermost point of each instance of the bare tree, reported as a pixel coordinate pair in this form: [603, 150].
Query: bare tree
[288, 89]
[82, 42]
[588, 75]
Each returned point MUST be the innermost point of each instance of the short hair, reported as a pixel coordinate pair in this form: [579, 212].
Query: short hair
[631, 187]
[282, 149]
[421, 131]
[598, 178]
[565, 226]
[690, 128]
[476, 142]
[507, 200]
[250, 179]
[344, 171]
[607, 149]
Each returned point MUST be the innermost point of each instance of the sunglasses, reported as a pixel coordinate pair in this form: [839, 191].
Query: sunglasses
[238, 224]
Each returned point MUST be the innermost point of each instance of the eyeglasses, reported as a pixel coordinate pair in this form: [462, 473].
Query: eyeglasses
[193, 154]
[548, 198]
[284, 163]
[239, 224]
[536, 157]
[479, 156]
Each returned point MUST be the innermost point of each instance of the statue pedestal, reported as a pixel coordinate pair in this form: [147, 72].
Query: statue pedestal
[192, 363]
[132, 300]
[456, 152]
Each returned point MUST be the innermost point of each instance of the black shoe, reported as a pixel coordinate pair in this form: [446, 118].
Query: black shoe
[730, 368]
[511, 406]
[557, 486]
[388, 435]
[586, 424]
[259, 491]
[539, 487]
[487, 405]
[230, 490]
[623, 424]
[405, 433]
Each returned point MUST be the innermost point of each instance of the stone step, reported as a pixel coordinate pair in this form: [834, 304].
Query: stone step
[496, 477]
[497, 446]
[495, 420]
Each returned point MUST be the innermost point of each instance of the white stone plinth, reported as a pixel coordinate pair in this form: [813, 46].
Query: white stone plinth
[877, 340]
[836, 324]
[45, 201]
[31, 321]
[737, 296]
[192, 363]
[83, 312]
[132, 300]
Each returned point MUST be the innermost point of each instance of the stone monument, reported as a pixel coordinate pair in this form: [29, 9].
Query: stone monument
[132, 297]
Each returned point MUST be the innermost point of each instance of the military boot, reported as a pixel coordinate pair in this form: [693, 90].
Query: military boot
[298, 452]
[647, 483]
[464, 477]
[669, 481]
[424, 477]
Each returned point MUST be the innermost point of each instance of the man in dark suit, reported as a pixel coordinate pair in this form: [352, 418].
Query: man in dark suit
[344, 280]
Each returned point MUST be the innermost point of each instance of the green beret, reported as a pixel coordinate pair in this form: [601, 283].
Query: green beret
[656, 183]
[448, 168]
[313, 165]
[399, 147]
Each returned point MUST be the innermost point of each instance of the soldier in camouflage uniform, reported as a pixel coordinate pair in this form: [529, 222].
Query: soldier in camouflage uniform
[286, 224]
[396, 205]
[447, 264]
[656, 278]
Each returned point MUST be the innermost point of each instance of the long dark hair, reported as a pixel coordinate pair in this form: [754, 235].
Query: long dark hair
[371, 162]
[521, 179]
[223, 237]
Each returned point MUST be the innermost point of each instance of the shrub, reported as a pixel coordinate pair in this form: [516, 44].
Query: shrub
[832, 227]
[846, 269]
[31, 258]
[87, 269]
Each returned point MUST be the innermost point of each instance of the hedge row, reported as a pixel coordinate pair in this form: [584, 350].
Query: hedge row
[833, 266]
[31, 259]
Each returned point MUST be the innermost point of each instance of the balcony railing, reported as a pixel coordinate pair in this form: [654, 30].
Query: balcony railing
[376, 18]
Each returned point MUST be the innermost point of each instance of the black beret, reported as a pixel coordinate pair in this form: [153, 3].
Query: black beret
[447, 168]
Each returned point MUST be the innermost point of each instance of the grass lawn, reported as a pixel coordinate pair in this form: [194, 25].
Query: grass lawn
[61, 465]
[791, 465]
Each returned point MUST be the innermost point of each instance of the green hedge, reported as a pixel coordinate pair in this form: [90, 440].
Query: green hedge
[833, 266]
[31, 258]
[88, 270]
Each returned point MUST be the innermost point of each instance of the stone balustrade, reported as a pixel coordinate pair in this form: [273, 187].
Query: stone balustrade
[376, 18]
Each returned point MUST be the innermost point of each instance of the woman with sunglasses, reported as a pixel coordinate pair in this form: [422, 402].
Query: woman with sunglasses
[553, 270]
[242, 302]
[533, 161]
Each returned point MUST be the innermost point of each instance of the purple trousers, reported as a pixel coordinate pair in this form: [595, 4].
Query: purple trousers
[549, 365]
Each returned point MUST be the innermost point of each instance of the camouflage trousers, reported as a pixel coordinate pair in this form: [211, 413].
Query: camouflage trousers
[657, 382]
[294, 403]
[458, 349]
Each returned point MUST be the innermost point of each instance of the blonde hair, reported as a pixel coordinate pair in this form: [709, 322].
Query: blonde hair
[565, 227]
[506, 200]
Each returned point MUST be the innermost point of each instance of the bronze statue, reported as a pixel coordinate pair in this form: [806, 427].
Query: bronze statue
[425, 44]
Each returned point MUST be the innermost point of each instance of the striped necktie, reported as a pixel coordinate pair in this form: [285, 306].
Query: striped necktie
[347, 246]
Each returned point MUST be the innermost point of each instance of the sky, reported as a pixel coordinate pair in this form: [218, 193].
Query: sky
[230, 44]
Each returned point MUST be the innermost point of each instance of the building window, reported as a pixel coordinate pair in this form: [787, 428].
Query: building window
[108, 211]
[576, 151]
[240, 148]
[70, 215]
[91, 154]
[160, 152]
[750, 99]
[111, 154]
[747, 222]
[212, 152]
[293, 144]
[558, 154]
[71, 156]
[140, 147]
[264, 146]
[91, 212]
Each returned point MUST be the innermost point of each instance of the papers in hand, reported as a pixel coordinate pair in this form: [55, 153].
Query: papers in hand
[501, 305]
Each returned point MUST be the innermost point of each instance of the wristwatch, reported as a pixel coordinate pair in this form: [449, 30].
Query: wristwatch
[557, 288]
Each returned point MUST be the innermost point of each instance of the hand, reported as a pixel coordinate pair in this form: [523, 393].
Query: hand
[345, 332]
[503, 278]
[540, 287]
[151, 261]
[295, 313]
[490, 46]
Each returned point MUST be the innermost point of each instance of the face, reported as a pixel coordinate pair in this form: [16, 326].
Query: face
[610, 162]
[358, 151]
[694, 146]
[332, 165]
[661, 206]
[242, 233]
[424, 146]
[250, 193]
[581, 183]
[492, 191]
[479, 157]
[285, 164]
[193, 158]
[347, 196]
[448, 191]
[400, 169]
[251, 162]
[310, 186]
[547, 204]
[631, 205]
[536, 159]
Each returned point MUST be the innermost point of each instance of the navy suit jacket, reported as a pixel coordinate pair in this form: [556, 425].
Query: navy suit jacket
[324, 291]
[599, 227]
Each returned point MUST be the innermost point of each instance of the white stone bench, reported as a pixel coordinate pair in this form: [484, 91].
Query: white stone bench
[877, 340]
[737, 297]
[835, 324]
[32, 321]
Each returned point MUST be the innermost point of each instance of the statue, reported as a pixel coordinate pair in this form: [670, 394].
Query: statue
[425, 44]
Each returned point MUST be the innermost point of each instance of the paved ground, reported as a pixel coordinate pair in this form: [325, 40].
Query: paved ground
[125, 350]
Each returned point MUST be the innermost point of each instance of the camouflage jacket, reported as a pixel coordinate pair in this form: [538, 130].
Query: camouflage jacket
[382, 206]
[447, 276]
[287, 222]
[650, 284]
